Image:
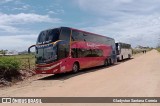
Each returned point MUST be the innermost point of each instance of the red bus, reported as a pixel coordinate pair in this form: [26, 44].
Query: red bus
[65, 49]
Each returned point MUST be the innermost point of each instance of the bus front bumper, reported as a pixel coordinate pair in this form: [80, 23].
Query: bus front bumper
[48, 69]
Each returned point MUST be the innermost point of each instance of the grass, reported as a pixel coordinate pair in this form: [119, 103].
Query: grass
[9, 63]
[137, 51]
[27, 61]
[12, 67]
[158, 49]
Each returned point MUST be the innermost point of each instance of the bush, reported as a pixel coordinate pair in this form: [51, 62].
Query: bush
[136, 51]
[9, 68]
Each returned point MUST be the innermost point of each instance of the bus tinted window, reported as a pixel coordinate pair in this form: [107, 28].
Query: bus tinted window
[88, 37]
[63, 50]
[74, 35]
[63, 46]
[79, 53]
[48, 36]
[52, 35]
[41, 37]
[65, 34]
[77, 36]
[74, 53]
[127, 46]
[123, 45]
[97, 53]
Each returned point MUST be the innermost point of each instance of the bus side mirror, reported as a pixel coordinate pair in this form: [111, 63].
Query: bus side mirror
[29, 49]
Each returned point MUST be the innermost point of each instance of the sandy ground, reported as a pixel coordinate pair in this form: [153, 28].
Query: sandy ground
[137, 77]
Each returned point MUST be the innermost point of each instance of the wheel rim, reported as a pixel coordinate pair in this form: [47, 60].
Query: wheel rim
[106, 62]
[75, 68]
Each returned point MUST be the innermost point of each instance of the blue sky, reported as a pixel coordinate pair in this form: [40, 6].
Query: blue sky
[131, 21]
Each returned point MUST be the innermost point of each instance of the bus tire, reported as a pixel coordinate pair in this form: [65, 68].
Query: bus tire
[106, 62]
[75, 67]
[129, 56]
[110, 61]
[118, 59]
[122, 58]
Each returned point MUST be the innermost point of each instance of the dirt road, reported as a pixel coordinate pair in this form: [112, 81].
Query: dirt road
[138, 77]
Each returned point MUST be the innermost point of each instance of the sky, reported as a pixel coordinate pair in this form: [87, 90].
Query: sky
[132, 21]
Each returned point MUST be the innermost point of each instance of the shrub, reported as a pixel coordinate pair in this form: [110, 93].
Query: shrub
[9, 68]
[136, 51]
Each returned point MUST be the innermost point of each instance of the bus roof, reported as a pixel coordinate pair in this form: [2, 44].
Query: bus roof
[80, 31]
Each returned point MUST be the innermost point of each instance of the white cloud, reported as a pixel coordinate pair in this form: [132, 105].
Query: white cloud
[6, 28]
[10, 28]
[138, 30]
[22, 18]
[6, 0]
[8, 21]
[132, 21]
[51, 12]
[17, 42]
[17, 28]
[22, 7]
[118, 7]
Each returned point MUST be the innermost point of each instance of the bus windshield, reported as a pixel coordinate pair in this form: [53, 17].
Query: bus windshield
[47, 54]
[48, 36]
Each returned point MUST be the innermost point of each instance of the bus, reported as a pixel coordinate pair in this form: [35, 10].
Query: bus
[65, 49]
[124, 51]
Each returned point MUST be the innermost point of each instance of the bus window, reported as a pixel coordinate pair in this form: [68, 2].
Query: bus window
[48, 36]
[74, 35]
[65, 34]
[52, 35]
[41, 37]
[63, 50]
[63, 46]
[74, 53]
[77, 36]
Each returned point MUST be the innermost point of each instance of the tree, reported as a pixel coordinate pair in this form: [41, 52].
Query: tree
[4, 52]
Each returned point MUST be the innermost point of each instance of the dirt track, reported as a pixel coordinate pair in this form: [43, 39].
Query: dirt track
[138, 77]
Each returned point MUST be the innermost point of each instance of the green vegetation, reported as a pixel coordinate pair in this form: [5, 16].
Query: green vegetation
[3, 52]
[136, 51]
[27, 61]
[158, 49]
[9, 67]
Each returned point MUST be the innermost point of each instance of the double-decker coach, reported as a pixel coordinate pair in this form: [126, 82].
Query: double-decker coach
[65, 49]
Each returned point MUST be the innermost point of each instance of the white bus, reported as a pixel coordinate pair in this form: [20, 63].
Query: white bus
[124, 51]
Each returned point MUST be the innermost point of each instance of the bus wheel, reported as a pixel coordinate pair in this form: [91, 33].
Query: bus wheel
[106, 62]
[111, 62]
[121, 58]
[75, 68]
[129, 56]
